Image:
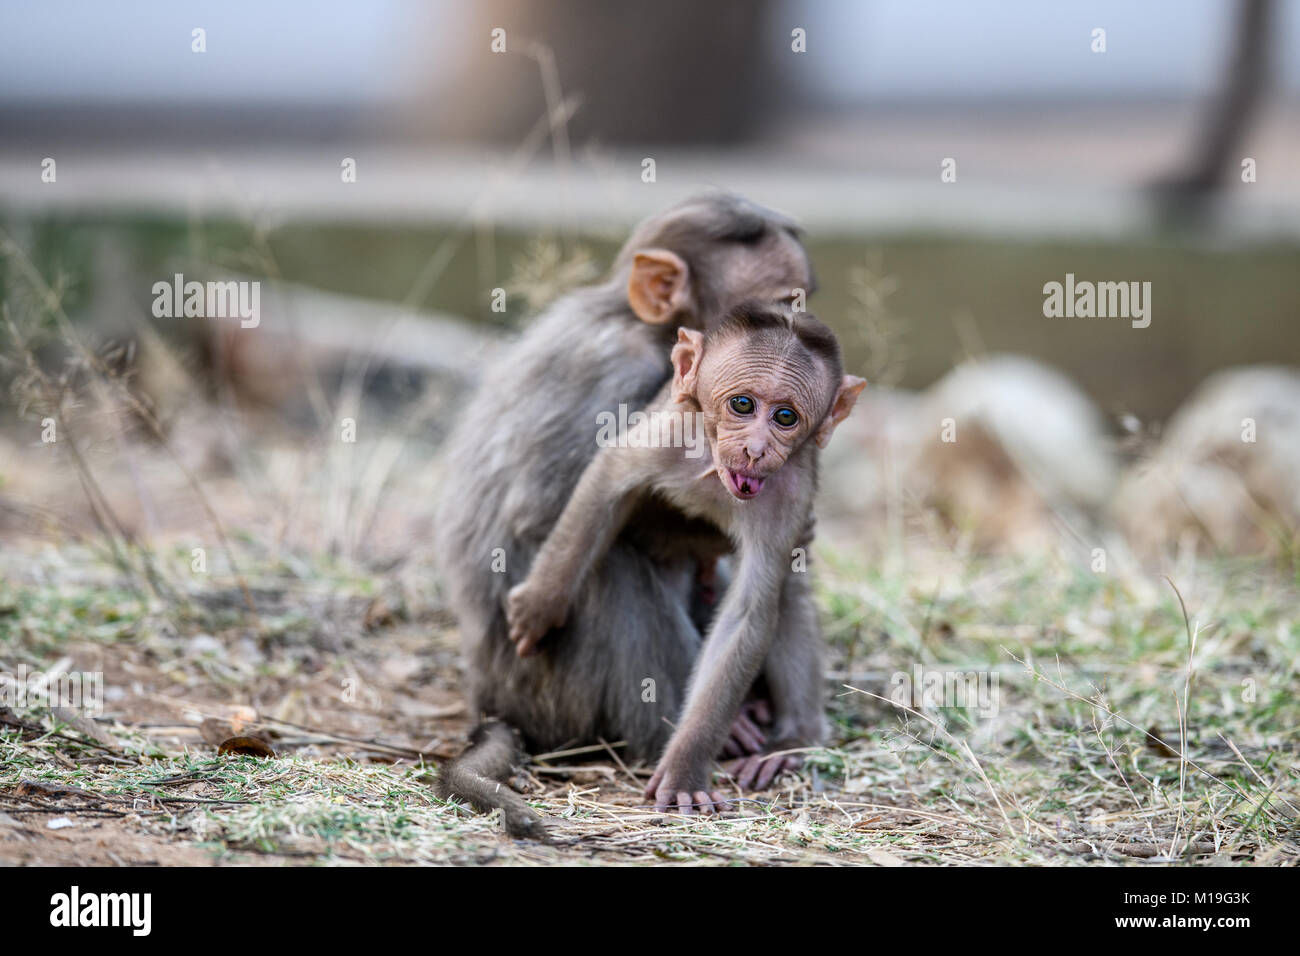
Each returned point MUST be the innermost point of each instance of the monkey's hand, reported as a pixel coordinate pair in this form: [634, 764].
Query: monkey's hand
[532, 610]
[683, 791]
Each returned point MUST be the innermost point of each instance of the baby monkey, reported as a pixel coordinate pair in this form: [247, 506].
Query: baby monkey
[768, 387]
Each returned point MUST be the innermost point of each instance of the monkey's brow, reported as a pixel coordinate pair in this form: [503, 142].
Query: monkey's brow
[783, 393]
[812, 277]
[813, 284]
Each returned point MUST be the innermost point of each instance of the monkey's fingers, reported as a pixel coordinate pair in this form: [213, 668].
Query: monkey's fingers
[746, 771]
[666, 798]
[759, 710]
[524, 638]
[702, 802]
[758, 772]
[770, 769]
[746, 735]
[652, 787]
[711, 802]
[526, 644]
[522, 619]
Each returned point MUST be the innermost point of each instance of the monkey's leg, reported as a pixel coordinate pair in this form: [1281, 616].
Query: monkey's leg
[634, 637]
[636, 618]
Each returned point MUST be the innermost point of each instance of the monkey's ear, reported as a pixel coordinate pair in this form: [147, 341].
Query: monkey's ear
[850, 387]
[659, 287]
[686, 363]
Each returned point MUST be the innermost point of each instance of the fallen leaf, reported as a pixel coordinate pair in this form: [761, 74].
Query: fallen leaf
[378, 614]
[1159, 746]
[249, 746]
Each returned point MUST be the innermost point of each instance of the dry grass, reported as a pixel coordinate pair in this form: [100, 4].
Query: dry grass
[1064, 771]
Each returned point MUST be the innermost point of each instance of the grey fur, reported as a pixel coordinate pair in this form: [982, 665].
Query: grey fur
[765, 624]
[515, 458]
[479, 776]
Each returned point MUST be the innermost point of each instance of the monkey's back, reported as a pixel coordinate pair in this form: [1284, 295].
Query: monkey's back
[514, 458]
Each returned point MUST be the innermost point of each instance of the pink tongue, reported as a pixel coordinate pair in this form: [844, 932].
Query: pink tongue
[748, 486]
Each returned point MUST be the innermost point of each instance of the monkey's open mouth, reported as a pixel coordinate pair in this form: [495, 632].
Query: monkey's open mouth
[742, 485]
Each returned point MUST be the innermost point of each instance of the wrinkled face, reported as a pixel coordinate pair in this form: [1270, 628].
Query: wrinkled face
[761, 401]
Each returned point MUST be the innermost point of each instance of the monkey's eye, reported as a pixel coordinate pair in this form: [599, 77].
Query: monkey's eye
[742, 405]
[786, 417]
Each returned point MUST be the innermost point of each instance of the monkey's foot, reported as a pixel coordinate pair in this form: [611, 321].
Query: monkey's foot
[531, 611]
[747, 735]
[757, 771]
[670, 794]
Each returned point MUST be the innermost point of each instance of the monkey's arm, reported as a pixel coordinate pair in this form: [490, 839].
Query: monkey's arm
[794, 676]
[732, 656]
[599, 507]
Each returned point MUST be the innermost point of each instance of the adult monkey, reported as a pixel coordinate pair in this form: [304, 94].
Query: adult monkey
[517, 453]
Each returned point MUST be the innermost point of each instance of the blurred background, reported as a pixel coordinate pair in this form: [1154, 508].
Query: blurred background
[1114, 155]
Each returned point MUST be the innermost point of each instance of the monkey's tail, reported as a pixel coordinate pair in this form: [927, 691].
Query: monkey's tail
[479, 776]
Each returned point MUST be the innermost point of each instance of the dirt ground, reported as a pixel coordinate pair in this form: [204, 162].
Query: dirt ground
[347, 668]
